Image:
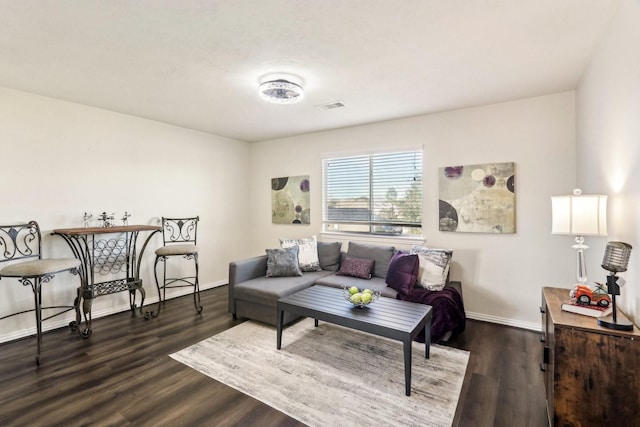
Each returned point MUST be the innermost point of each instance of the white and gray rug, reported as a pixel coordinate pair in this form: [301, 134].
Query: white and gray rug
[333, 376]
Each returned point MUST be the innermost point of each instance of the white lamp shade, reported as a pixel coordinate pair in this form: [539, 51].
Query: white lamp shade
[583, 215]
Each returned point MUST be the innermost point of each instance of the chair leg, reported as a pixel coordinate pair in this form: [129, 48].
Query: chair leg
[76, 303]
[37, 295]
[164, 281]
[196, 287]
[162, 289]
[155, 273]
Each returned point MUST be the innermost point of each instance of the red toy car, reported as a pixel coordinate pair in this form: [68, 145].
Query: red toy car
[587, 296]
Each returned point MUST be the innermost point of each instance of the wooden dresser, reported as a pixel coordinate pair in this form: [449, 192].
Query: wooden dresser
[592, 374]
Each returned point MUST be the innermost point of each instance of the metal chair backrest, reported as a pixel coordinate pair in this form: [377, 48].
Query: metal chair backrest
[179, 230]
[20, 241]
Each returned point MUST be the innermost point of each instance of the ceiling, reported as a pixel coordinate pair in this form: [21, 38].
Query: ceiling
[198, 63]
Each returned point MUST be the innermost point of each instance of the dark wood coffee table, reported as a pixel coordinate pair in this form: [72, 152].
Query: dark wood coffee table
[386, 317]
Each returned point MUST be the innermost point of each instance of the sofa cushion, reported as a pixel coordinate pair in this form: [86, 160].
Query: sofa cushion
[307, 252]
[375, 284]
[381, 255]
[434, 267]
[283, 262]
[403, 272]
[356, 267]
[266, 290]
[329, 255]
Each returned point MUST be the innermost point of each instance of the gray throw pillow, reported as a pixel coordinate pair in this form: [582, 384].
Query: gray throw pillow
[380, 254]
[329, 255]
[283, 262]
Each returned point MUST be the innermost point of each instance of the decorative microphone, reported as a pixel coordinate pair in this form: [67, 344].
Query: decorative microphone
[615, 260]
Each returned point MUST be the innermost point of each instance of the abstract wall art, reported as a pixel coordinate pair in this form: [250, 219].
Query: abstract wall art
[290, 200]
[478, 198]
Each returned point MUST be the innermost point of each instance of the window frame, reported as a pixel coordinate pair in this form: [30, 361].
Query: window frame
[373, 225]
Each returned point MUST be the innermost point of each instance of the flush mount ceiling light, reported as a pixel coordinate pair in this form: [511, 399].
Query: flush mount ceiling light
[281, 92]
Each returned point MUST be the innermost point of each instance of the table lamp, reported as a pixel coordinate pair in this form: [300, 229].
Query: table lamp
[615, 260]
[579, 215]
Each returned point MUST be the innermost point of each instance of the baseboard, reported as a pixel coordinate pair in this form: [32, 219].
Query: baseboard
[64, 320]
[504, 321]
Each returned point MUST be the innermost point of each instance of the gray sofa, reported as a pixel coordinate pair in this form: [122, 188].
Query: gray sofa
[252, 295]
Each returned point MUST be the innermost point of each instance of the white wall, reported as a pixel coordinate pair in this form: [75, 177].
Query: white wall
[502, 275]
[59, 160]
[608, 142]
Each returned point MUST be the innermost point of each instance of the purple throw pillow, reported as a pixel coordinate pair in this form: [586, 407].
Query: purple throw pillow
[356, 267]
[403, 272]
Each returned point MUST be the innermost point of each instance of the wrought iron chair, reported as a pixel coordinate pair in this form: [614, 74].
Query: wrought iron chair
[179, 240]
[21, 250]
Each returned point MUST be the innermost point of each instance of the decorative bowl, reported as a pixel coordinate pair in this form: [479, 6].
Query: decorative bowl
[355, 296]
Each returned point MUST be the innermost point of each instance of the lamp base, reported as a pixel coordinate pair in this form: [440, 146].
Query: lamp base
[618, 324]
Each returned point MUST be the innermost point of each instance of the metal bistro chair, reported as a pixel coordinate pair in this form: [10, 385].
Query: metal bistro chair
[22, 243]
[179, 240]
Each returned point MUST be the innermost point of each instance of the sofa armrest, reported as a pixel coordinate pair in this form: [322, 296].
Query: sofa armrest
[456, 285]
[243, 270]
[247, 269]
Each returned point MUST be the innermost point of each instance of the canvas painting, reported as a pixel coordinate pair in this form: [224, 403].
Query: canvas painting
[478, 198]
[290, 200]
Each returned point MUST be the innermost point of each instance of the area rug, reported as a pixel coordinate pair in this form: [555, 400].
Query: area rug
[333, 376]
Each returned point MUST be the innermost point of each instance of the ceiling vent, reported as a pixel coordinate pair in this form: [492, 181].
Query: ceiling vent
[332, 105]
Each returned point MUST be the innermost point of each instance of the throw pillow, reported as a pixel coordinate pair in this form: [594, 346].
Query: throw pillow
[329, 255]
[403, 272]
[307, 254]
[356, 267]
[434, 267]
[283, 262]
[380, 254]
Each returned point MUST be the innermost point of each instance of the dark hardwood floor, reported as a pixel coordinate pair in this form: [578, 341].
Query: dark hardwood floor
[122, 375]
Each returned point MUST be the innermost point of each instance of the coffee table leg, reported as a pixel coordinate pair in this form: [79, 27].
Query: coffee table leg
[427, 338]
[315, 323]
[280, 320]
[407, 367]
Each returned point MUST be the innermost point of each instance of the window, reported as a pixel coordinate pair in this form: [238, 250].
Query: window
[373, 194]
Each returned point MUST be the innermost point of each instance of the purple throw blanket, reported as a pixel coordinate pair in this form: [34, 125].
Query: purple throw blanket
[448, 310]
